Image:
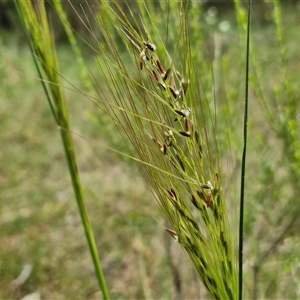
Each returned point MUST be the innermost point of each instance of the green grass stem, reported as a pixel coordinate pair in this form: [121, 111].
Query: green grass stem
[40, 39]
[243, 168]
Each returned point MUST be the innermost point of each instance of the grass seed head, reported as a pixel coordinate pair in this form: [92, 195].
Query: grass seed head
[150, 46]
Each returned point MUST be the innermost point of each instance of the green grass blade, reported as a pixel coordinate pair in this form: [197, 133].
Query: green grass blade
[243, 168]
[41, 42]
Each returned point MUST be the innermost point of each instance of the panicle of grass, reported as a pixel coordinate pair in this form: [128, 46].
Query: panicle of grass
[36, 25]
[173, 134]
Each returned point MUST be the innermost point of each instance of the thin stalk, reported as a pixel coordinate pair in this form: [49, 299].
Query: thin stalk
[73, 170]
[243, 170]
[40, 40]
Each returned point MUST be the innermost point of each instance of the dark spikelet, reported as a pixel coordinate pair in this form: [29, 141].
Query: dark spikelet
[199, 236]
[155, 76]
[203, 262]
[224, 243]
[208, 200]
[166, 74]
[175, 93]
[172, 83]
[159, 80]
[173, 234]
[194, 201]
[162, 85]
[144, 56]
[194, 249]
[180, 161]
[193, 222]
[187, 218]
[163, 149]
[201, 195]
[186, 125]
[184, 133]
[201, 270]
[179, 112]
[160, 66]
[212, 282]
[206, 283]
[172, 194]
[175, 195]
[150, 46]
[216, 297]
[205, 186]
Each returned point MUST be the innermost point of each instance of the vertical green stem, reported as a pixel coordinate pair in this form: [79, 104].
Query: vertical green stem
[39, 35]
[243, 171]
[73, 170]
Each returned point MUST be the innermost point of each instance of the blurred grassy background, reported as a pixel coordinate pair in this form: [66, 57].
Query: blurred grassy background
[39, 221]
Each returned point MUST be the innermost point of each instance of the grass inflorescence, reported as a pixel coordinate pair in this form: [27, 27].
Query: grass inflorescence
[161, 112]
